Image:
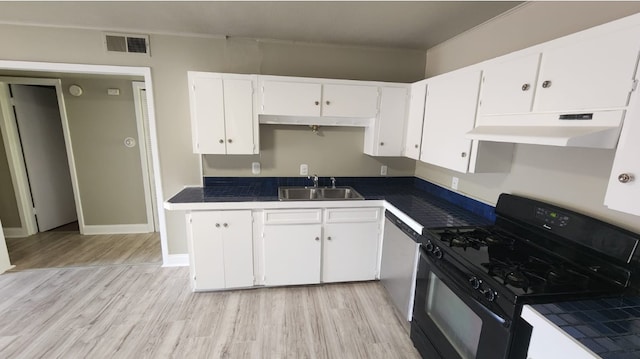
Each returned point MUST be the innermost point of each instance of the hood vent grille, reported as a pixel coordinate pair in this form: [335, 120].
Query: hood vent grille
[127, 43]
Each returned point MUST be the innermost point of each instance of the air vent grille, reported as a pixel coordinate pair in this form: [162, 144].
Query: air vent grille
[127, 43]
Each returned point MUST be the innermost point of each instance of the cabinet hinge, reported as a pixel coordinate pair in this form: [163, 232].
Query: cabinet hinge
[34, 210]
[482, 79]
[193, 87]
[634, 85]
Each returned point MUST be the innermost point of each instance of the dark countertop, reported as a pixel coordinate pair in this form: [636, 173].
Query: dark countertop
[608, 327]
[429, 205]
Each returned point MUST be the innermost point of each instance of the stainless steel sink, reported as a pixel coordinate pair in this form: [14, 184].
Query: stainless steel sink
[317, 194]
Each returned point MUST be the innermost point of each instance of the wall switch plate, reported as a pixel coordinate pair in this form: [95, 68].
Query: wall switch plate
[383, 170]
[454, 182]
[304, 169]
[255, 168]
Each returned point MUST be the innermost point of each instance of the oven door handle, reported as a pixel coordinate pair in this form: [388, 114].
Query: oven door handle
[497, 317]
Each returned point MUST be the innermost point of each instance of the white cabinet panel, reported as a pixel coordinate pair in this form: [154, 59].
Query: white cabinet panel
[349, 100]
[221, 249]
[413, 134]
[292, 254]
[222, 113]
[291, 98]
[509, 86]
[450, 111]
[350, 251]
[593, 73]
[385, 137]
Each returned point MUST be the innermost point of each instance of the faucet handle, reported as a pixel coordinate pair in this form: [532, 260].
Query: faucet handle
[333, 182]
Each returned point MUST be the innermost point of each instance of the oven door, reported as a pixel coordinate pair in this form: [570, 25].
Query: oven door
[448, 322]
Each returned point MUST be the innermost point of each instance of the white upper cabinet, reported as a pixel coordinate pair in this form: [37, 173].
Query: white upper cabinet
[590, 73]
[315, 99]
[349, 100]
[450, 111]
[385, 137]
[413, 134]
[290, 98]
[222, 113]
[509, 86]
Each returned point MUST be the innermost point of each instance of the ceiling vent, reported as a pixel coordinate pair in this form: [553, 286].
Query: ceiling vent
[127, 43]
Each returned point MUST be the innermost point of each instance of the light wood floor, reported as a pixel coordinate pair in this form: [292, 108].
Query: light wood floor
[146, 311]
[59, 248]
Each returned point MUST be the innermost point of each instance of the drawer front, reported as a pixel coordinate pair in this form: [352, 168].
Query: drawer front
[349, 215]
[292, 216]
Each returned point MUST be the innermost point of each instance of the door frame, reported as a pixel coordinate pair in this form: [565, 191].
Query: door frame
[144, 72]
[15, 156]
[139, 86]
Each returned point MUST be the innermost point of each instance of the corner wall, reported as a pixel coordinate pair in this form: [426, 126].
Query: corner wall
[570, 177]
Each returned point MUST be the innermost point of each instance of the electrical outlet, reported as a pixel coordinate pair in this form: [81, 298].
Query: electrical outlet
[304, 169]
[383, 170]
[255, 168]
[454, 182]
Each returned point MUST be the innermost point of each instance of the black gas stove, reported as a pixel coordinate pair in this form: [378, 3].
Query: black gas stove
[534, 253]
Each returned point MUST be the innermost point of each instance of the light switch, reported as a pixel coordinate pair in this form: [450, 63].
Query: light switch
[304, 169]
[383, 170]
[255, 168]
[454, 182]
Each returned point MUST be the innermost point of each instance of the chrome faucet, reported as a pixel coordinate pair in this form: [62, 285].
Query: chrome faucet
[333, 182]
[315, 180]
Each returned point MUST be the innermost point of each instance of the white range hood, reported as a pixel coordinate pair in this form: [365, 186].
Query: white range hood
[581, 129]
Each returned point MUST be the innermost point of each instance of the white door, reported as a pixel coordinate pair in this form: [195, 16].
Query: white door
[292, 254]
[450, 112]
[207, 251]
[589, 74]
[43, 146]
[238, 116]
[391, 121]
[509, 86]
[237, 234]
[349, 101]
[207, 114]
[291, 98]
[413, 135]
[350, 252]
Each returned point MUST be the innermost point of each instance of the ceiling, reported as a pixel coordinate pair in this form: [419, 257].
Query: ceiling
[392, 24]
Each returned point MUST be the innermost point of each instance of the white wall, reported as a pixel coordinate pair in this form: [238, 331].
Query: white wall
[171, 58]
[570, 177]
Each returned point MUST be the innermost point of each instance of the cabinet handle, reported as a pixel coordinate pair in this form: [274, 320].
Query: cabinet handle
[217, 225]
[416, 146]
[317, 103]
[328, 238]
[546, 84]
[230, 140]
[328, 102]
[463, 154]
[625, 178]
[225, 225]
[526, 87]
[221, 141]
[381, 143]
[317, 238]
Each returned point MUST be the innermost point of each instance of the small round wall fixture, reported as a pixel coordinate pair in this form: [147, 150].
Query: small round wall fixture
[75, 90]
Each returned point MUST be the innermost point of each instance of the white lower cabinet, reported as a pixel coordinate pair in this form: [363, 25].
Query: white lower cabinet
[220, 249]
[300, 247]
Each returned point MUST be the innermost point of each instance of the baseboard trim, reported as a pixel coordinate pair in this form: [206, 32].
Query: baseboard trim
[176, 260]
[15, 232]
[116, 229]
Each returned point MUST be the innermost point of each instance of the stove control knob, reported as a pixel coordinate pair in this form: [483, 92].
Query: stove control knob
[489, 294]
[429, 246]
[475, 282]
[437, 253]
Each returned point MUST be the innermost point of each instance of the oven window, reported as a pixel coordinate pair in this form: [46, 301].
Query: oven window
[459, 324]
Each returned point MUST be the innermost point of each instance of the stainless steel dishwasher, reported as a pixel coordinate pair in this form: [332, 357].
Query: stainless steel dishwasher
[400, 252]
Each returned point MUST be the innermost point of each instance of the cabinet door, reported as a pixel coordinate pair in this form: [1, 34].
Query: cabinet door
[391, 121]
[291, 98]
[509, 86]
[238, 114]
[237, 233]
[292, 254]
[206, 251]
[349, 101]
[450, 112]
[207, 113]
[413, 134]
[350, 252]
[592, 73]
